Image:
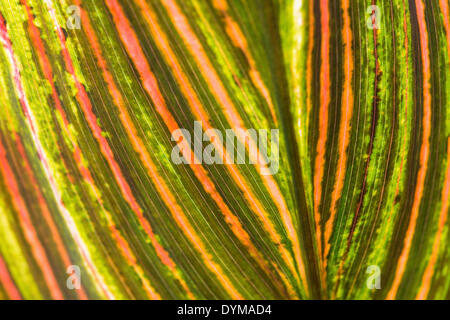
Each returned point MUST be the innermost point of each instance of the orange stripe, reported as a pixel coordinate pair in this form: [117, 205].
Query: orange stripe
[46, 213]
[323, 117]
[237, 37]
[193, 44]
[8, 283]
[122, 244]
[201, 114]
[91, 118]
[32, 126]
[131, 43]
[137, 143]
[131, 259]
[18, 202]
[424, 151]
[344, 131]
[429, 271]
[48, 72]
[309, 80]
[220, 5]
[30, 234]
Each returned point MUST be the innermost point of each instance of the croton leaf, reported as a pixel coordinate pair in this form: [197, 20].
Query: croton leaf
[224, 149]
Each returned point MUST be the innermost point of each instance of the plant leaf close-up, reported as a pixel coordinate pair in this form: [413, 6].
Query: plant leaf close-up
[224, 149]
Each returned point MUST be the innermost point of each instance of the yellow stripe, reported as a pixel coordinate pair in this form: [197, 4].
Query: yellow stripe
[194, 46]
[424, 151]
